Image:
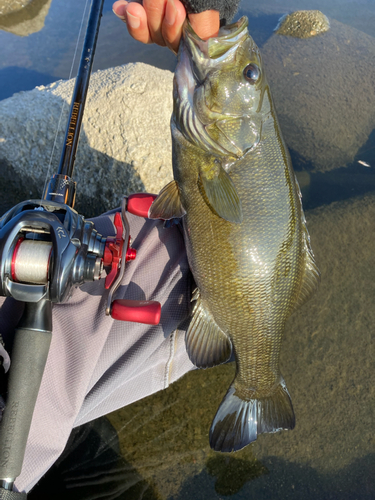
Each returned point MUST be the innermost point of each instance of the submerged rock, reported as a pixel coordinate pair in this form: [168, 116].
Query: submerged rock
[327, 360]
[8, 6]
[23, 17]
[303, 24]
[324, 93]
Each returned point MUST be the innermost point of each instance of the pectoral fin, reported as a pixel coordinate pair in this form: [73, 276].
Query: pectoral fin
[168, 203]
[221, 193]
[206, 344]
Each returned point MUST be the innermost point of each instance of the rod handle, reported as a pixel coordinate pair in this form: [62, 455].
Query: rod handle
[29, 356]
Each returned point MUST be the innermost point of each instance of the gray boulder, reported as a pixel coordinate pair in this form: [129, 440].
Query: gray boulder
[124, 146]
[324, 93]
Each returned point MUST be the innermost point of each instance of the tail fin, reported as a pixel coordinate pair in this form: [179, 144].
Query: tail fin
[238, 422]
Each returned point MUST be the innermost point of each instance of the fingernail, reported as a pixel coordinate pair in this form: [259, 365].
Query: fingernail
[170, 13]
[133, 21]
[121, 14]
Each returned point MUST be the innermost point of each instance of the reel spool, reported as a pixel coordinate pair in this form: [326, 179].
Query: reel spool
[31, 261]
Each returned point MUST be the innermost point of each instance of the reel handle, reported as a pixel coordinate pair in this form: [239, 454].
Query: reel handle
[117, 252]
[140, 203]
[138, 311]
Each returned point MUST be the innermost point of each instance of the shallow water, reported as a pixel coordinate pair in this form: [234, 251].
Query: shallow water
[325, 99]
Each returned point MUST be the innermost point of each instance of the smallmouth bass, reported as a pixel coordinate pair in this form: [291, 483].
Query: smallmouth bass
[244, 227]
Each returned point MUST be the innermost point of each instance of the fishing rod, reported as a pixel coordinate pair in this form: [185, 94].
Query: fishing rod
[46, 250]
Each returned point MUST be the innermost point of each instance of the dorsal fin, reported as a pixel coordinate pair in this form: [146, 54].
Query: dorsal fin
[311, 276]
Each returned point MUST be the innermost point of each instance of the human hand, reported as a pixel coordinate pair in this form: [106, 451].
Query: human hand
[160, 21]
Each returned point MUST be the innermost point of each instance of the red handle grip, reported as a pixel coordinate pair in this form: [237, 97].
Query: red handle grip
[138, 311]
[140, 203]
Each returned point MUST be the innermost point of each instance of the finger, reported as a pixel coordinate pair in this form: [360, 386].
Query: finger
[134, 16]
[174, 18]
[119, 9]
[206, 24]
[136, 21]
[155, 10]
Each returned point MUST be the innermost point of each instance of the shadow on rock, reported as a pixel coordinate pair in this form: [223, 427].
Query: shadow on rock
[15, 189]
[280, 480]
[124, 142]
[101, 186]
[232, 474]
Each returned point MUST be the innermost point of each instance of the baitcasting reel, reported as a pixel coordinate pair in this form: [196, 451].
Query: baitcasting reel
[47, 249]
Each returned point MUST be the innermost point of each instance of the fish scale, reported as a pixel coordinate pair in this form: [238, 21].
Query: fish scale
[244, 228]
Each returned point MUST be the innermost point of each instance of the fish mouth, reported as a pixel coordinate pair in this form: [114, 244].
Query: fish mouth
[206, 54]
[215, 47]
[223, 132]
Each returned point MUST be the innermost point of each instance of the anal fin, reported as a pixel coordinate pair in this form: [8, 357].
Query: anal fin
[168, 203]
[207, 345]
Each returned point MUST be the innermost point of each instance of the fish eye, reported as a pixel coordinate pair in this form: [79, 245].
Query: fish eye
[252, 73]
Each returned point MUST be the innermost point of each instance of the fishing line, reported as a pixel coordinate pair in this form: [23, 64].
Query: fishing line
[64, 104]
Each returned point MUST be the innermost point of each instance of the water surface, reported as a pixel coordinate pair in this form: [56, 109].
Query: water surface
[327, 353]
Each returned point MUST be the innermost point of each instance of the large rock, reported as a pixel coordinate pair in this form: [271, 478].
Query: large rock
[324, 93]
[22, 17]
[125, 143]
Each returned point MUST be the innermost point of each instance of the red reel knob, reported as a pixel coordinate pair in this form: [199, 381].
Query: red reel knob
[131, 254]
[137, 311]
[140, 203]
